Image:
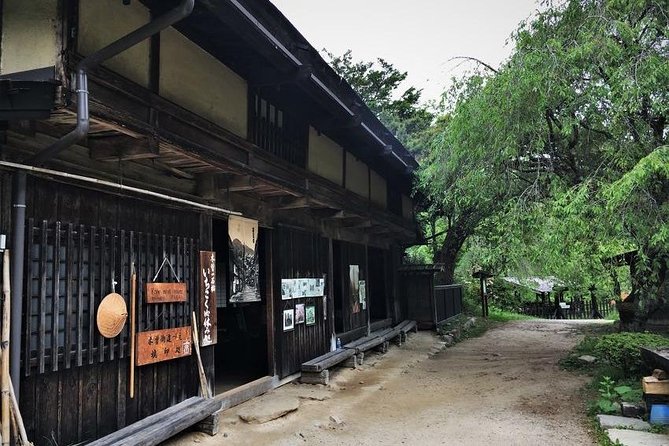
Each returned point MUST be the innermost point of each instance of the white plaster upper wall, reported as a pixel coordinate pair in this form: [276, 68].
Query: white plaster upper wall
[29, 38]
[326, 157]
[407, 207]
[378, 189]
[103, 21]
[194, 79]
[357, 176]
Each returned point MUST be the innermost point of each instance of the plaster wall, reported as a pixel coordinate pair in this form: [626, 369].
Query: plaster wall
[192, 78]
[378, 189]
[357, 176]
[103, 21]
[29, 35]
[407, 207]
[326, 158]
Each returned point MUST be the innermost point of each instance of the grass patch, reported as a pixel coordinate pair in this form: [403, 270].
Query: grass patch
[497, 315]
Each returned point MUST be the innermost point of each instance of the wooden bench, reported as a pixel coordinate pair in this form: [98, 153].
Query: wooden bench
[399, 331]
[163, 425]
[376, 340]
[316, 370]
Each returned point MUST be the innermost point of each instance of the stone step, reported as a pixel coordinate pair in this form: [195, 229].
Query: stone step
[628, 437]
[614, 421]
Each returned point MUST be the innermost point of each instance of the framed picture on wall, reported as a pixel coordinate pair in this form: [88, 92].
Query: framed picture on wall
[299, 314]
[288, 319]
[311, 314]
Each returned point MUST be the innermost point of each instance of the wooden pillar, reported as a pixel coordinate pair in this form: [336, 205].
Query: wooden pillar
[270, 295]
[368, 300]
[330, 287]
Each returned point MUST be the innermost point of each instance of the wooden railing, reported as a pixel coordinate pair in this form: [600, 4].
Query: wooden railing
[577, 309]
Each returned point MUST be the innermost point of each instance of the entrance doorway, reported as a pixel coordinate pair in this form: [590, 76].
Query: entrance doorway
[241, 351]
[378, 305]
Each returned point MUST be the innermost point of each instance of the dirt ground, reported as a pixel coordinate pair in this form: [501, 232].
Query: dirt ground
[504, 388]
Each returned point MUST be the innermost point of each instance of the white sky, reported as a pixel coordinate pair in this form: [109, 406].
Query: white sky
[417, 36]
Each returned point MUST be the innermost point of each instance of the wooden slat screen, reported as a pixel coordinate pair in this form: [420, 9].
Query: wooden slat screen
[70, 268]
[276, 131]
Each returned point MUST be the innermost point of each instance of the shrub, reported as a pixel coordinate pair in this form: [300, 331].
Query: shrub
[621, 350]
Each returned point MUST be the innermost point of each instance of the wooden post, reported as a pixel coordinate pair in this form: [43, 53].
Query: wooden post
[5, 348]
[21, 428]
[483, 302]
[133, 297]
[204, 388]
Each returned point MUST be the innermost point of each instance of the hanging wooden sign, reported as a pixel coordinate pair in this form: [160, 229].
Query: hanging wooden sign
[158, 293]
[162, 292]
[207, 298]
[163, 345]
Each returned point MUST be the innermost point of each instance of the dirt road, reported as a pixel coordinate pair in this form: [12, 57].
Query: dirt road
[504, 388]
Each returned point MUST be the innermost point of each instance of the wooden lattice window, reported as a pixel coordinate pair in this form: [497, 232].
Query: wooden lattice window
[70, 268]
[276, 131]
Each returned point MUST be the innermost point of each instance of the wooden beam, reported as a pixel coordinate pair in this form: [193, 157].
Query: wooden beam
[269, 79]
[240, 183]
[121, 147]
[293, 203]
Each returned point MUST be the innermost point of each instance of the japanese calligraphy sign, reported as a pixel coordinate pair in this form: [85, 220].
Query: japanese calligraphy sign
[158, 293]
[163, 345]
[207, 298]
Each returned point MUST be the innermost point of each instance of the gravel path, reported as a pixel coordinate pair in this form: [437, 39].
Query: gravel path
[504, 388]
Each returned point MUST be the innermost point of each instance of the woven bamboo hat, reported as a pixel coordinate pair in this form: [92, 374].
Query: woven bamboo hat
[112, 314]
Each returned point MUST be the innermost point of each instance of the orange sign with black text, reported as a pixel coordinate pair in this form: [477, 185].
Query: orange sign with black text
[163, 345]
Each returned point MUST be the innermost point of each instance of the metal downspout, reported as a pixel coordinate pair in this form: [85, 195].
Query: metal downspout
[180, 12]
[16, 284]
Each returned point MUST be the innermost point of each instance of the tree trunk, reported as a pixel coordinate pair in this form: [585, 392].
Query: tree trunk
[448, 255]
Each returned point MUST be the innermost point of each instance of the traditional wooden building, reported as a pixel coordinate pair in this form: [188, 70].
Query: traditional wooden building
[207, 147]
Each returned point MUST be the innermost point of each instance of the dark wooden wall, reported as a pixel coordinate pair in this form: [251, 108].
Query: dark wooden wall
[75, 382]
[380, 283]
[346, 254]
[299, 254]
[416, 291]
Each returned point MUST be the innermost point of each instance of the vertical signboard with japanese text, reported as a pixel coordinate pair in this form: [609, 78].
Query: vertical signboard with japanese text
[208, 298]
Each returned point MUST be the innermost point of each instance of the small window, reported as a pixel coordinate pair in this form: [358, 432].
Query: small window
[272, 129]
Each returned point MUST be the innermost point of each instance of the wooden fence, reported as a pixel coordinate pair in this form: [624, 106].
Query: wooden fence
[447, 301]
[577, 309]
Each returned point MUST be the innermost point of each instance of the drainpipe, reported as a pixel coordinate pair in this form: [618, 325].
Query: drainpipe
[16, 284]
[129, 40]
[80, 131]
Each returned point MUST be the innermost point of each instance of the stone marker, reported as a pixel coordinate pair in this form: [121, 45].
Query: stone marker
[635, 438]
[587, 358]
[263, 410]
[613, 421]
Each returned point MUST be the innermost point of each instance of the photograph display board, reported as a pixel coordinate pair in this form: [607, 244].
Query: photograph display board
[302, 287]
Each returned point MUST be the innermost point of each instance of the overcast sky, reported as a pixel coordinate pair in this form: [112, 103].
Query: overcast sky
[417, 36]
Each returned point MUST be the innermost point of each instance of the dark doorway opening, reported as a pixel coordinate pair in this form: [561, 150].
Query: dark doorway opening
[378, 305]
[241, 351]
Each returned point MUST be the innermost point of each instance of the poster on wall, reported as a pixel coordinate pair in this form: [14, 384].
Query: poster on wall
[288, 290]
[354, 283]
[299, 314]
[288, 319]
[207, 298]
[310, 312]
[362, 292]
[243, 238]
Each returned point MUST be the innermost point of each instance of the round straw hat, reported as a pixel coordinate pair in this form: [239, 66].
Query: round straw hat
[112, 314]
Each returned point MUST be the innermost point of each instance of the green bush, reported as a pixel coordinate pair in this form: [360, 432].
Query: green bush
[621, 350]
